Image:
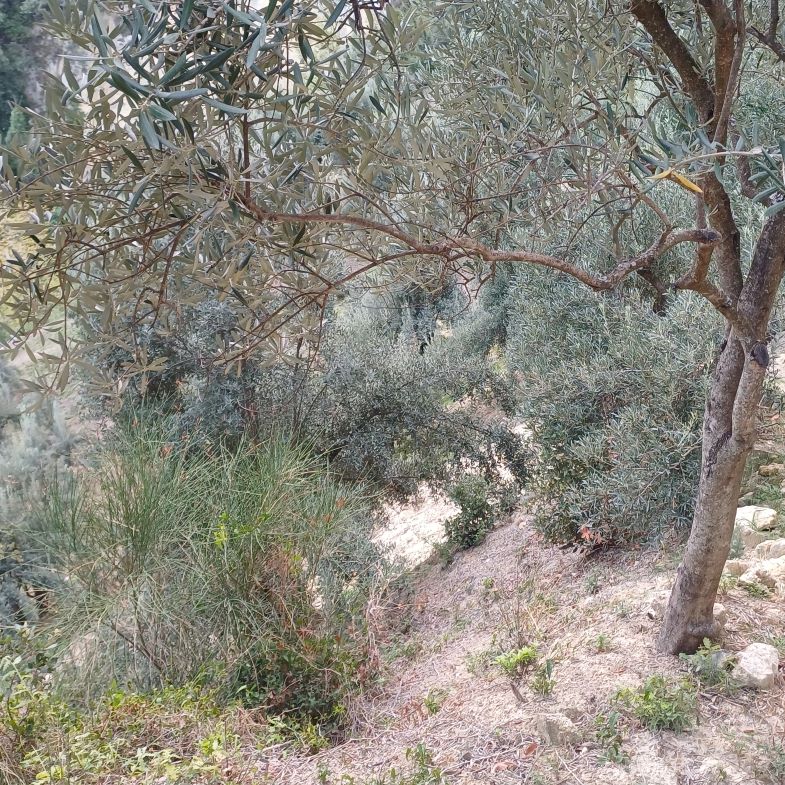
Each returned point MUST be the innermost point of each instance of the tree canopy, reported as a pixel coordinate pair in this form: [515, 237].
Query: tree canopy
[274, 153]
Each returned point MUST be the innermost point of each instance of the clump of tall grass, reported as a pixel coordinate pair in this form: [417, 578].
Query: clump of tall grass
[251, 567]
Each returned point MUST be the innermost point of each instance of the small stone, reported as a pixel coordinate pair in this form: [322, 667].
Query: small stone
[737, 566]
[769, 573]
[770, 549]
[558, 730]
[720, 615]
[658, 605]
[756, 666]
[771, 470]
[760, 518]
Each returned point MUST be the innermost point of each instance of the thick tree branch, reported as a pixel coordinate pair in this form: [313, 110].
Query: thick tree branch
[453, 249]
[769, 38]
[725, 50]
[654, 20]
[725, 96]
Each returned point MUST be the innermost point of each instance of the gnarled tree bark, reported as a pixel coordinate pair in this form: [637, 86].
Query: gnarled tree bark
[729, 431]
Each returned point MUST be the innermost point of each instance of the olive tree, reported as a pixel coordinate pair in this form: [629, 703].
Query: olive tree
[279, 152]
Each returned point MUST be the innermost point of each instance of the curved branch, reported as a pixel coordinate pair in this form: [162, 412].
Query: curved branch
[453, 249]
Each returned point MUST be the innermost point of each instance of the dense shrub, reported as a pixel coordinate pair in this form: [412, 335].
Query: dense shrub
[181, 562]
[397, 395]
[613, 394]
[388, 414]
[475, 519]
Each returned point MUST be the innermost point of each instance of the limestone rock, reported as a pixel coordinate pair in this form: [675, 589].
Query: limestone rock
[756, 666]
[771, 470]
[737, 566]
[752, 522]
[557, 729]
[770, 549]
[769, 573]
[760, 518]
[720, 616]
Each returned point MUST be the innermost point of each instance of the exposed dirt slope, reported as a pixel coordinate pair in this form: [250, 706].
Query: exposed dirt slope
[587, 615]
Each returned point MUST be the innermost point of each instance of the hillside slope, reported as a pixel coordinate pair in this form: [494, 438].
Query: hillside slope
[588, 617]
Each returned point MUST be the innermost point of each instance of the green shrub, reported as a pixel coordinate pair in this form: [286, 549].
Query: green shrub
[475, 519]
[609, 732]
[252, 565]
[662, 705]
[170, 734]
[613, 394]
[385, 406]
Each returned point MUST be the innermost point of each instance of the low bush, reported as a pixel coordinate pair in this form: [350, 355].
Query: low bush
[609, 732]
[660, 704]
[514, 662]
[249, 566]
[475, 519]
[711, 666]
[182, 734]
[397, 394]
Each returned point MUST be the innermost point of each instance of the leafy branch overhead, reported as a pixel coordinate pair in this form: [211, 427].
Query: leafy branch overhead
[278, 153]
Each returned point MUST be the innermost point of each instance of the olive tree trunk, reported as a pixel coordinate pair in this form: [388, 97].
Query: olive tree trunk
[729, 433]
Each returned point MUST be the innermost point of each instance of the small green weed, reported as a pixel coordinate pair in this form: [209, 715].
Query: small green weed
[434, 699]
[608, 729]
[710, 665]
[757, 590]
[514, 662]
[602, 643]
[543, 681]
[661, 704]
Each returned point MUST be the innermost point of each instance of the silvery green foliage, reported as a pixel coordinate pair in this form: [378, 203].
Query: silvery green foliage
[397, 416]
[387, 397]
[613, 394]
[34, 444]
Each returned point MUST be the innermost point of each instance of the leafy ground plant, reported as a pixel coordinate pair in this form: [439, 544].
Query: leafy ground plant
[609, 731]
[711, 666]
[514, 662]
[660, 704]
